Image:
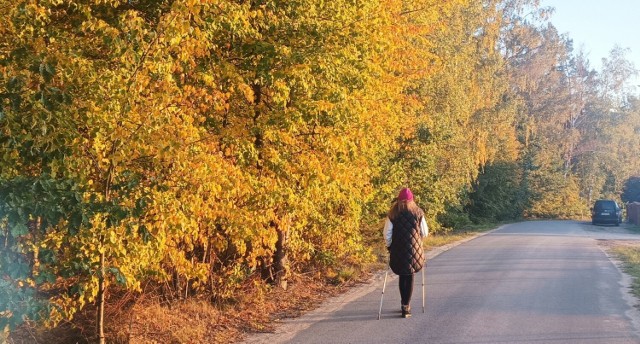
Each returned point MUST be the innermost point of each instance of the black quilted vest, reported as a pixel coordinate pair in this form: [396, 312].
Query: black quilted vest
[406, 244]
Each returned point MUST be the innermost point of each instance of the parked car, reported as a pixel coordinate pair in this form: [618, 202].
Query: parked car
[606, 211]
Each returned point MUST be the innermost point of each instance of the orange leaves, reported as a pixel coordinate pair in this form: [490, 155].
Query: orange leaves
[247, 92]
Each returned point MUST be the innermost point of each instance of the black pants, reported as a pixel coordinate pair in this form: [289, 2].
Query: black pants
[406, 288]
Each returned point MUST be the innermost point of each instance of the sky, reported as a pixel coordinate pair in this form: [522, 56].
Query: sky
[597, 25]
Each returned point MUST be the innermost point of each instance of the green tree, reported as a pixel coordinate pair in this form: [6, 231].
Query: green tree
[497, 193]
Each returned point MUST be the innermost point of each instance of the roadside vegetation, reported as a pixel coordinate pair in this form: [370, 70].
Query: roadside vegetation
[147, 318]
[166, 156]
[456, 235]
[629, 254]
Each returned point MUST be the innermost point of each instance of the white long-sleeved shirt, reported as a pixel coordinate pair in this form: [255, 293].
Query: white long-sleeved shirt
[388, 230]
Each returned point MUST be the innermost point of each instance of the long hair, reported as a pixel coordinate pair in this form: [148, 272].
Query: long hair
[402, 206]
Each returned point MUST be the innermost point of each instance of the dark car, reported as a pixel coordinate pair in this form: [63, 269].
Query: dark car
[606, 211]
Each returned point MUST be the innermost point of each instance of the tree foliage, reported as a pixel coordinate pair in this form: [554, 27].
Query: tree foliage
[200, 145]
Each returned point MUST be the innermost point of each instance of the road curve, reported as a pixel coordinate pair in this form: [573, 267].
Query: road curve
[529, 282]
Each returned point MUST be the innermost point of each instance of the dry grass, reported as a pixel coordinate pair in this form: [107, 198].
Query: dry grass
[149, 320]
[629, 253]
[182, 322]
[257, 309]
[435, 241]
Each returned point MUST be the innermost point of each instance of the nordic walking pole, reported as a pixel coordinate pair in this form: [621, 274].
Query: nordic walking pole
[423, 268]
[384, 284]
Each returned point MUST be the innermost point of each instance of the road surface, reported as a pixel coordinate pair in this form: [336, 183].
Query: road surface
[530, 282]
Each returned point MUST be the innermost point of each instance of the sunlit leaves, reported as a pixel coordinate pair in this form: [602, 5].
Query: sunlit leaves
[203, 143]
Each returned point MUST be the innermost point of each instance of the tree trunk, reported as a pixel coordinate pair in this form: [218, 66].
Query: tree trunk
[280, 259]
[35, 226]
[101, 290]
[102, 283]
[274, 269]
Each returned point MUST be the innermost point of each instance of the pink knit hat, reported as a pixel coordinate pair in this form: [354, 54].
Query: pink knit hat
[405, 195]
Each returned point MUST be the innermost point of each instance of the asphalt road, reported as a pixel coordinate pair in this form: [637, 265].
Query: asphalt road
[531, 282]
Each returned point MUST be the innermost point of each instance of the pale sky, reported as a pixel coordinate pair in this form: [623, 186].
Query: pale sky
[597, 25]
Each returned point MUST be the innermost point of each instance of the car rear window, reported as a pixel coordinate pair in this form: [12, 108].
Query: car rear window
[604, 206]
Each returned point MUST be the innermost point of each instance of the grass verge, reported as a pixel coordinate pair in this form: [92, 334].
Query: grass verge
[633, 228]
[630, 257]
[435, 241]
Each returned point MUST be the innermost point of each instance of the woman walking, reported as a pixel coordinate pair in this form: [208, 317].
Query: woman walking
[404, 229]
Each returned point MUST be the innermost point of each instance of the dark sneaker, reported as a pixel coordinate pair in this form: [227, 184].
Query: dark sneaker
[406, 311]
